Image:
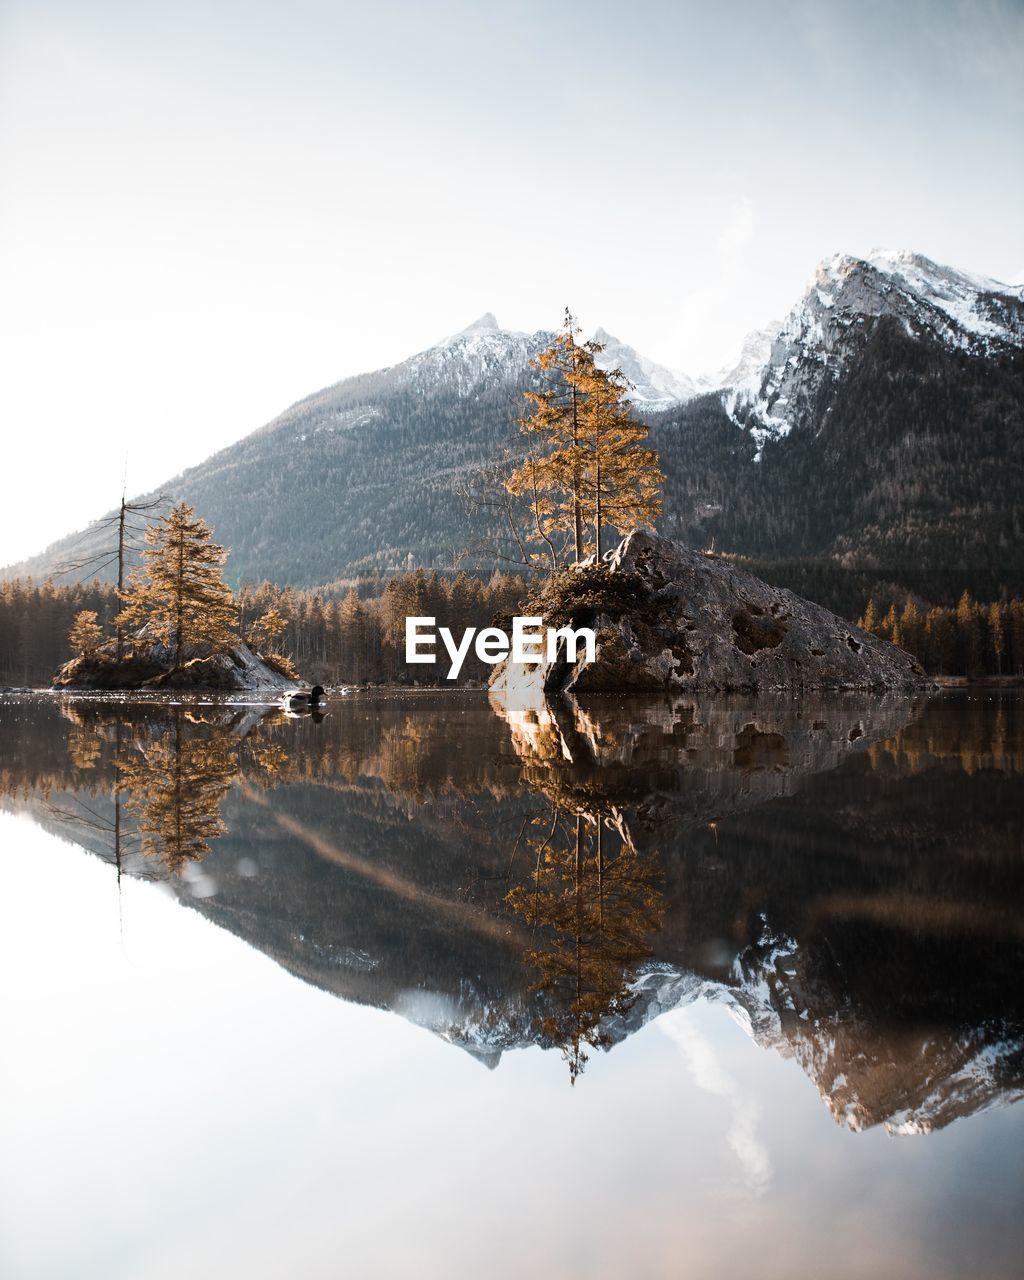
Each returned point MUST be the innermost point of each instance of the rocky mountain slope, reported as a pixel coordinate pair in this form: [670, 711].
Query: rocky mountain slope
[883, 438]
[827, 331]
[879, 428]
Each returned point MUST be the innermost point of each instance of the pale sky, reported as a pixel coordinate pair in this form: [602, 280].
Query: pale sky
[212, 209]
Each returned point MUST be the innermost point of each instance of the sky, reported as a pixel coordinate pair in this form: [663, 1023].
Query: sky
[210, 210]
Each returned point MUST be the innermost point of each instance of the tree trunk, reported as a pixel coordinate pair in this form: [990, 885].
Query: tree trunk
[120, 575]
[179, 601]
[577, 508]
[597, 512]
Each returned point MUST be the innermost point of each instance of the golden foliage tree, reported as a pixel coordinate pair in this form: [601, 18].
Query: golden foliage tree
[179, 593]
[595, 902]
[175, 784]
[86, 634]
[593, 471]
[266, 631]
[263, 636]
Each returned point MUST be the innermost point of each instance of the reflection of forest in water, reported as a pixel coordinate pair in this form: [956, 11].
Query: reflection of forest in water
[846, 873]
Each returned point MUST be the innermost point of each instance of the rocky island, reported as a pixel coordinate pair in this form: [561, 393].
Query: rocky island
[152, 669]
[672, 619]
[178, 627]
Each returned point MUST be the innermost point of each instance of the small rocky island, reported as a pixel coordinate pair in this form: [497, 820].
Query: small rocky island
[152, 668]
[671, 619]
[178, 627]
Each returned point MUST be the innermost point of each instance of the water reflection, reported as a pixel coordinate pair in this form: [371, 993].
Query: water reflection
[594, 903]
[846, 874]
[171, 770]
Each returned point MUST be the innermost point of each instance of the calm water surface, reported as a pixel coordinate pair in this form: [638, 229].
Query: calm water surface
[434, 987]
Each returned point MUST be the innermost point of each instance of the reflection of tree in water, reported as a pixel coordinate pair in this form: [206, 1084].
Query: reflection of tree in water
[169, 770]
[594, 902]
[174, 786]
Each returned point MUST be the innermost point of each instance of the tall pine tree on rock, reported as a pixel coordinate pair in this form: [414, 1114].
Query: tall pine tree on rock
[178, 593]
[592, 471]
[621, 479]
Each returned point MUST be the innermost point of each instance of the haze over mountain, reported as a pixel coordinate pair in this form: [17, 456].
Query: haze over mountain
[879, 427]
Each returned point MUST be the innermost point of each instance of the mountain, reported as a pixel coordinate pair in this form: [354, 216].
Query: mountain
[878, 431]
[370, 473]
[654, 387]
[825, 333]
[882, 438]
[748, 369]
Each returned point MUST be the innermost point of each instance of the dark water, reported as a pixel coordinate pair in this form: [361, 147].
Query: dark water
[435, 987]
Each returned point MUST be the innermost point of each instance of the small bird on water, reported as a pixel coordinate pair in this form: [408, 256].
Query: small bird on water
[305, 699]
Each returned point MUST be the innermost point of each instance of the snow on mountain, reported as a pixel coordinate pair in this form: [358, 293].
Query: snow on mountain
[781, 367]
[975, 305]
[655, 387]
[484, 351]
[828, 325]
[745, 374]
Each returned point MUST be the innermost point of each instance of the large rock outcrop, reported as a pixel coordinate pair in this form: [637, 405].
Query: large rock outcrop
[692, 622]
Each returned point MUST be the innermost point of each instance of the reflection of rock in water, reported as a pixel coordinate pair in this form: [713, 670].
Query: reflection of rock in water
[846, 874]
[704, 759]
[892, 986]
[620, 778]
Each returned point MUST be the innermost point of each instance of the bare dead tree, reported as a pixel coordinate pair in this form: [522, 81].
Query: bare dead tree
[127, 539]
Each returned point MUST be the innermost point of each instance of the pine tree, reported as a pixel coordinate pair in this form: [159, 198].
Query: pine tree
[264, 633]
[593, 472]
[869, 620]
[997, 634]
[86, 634]
[353, 626]
[1017, 637]
[939, 642]
[262, 637]
[970, 640]
[889, 627]
[622, 481]
[911, 628]
[178, 593]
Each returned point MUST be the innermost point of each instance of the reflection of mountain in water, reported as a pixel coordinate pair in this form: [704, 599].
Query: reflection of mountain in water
[846, 874]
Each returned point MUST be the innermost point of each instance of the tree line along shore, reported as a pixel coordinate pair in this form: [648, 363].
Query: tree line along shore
[359, 637]
[584, 473]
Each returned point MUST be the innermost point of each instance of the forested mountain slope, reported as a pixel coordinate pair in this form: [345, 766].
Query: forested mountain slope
[882, 434]
[911, 464]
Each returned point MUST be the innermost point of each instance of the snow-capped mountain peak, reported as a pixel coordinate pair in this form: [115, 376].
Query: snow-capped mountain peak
[844, 300]
[486, 324]
[964, 299]
[481, 353]
[484, 351]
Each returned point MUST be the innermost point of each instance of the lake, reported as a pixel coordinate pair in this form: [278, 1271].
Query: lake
[433, 986]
